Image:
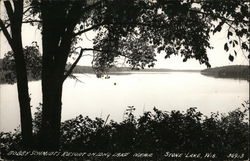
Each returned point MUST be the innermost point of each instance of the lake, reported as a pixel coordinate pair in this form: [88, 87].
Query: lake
[97, 97]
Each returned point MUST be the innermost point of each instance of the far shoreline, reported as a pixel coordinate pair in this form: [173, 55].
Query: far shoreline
[239, 72]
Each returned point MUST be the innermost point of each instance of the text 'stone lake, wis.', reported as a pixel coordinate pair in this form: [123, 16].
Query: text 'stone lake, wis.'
[167, 91]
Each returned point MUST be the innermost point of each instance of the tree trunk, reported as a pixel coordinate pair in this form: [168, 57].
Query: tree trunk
[24, 99]
[51, 116]
[52, 84]
[14, 38]
[52, 94]
[57, 38]
[22, 81]
[52, 81]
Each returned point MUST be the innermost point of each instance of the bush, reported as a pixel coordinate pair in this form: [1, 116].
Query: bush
[158, 132]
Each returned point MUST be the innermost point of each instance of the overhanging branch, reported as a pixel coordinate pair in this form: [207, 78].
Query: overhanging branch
[6, 33]
[28, 21]
[27, 10]
[87, 29]
[31, 21]
[121, 24]
[9, 10]
[92, 49]
[73, 65]
[77, 60]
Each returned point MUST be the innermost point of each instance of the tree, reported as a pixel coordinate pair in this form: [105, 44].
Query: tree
[33, 61]
[14, 12]
[131, 29]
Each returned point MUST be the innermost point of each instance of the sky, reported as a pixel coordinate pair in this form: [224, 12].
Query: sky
[217, 56]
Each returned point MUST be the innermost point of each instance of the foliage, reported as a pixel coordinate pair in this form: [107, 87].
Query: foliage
[134, 29]
[159, 132]
[10, 141]
[33, 62]
[170, 26]
[37, 119]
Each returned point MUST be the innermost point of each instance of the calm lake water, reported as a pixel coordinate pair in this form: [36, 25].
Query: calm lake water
[102, 97]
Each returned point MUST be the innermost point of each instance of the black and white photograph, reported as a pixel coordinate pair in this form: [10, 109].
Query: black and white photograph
[124, 80]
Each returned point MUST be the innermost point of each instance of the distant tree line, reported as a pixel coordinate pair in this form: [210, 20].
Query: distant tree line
[233, 71]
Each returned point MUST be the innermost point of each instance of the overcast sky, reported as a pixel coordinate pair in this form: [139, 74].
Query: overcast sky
[217, 55]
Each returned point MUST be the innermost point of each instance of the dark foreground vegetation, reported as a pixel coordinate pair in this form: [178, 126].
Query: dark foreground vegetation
[233, 71]
[156, 133]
